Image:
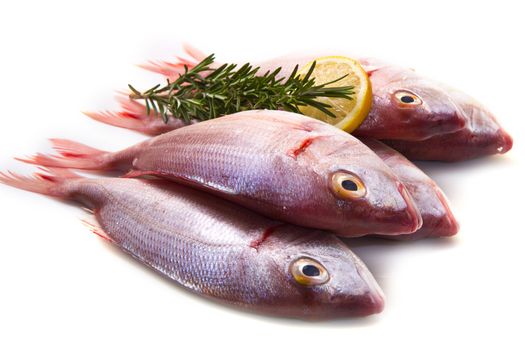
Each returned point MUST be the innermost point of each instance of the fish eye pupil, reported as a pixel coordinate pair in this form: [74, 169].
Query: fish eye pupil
[349, 185]
[311, 270]
[407, 99]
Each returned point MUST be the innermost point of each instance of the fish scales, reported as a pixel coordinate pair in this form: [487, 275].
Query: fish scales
[280, 164]
[206, 244]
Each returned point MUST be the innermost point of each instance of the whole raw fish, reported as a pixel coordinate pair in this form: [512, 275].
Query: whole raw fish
[284, 165]
[481, 136]
[406, 106]
[438, 220]
[220, 250]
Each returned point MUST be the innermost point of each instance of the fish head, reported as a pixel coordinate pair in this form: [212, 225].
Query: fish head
[483, 134]
[361, 192]
[313, 274]
[409, 106]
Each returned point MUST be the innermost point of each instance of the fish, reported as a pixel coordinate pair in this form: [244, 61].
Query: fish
[438, 219]
[217, 249]
[406, 105]
[283, 165]
[482, 136]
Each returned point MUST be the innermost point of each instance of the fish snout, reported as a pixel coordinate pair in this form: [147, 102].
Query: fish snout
[403, 217]
[390, 210]
[366, 304]
[505, 142]
[372, 301]
[364, 297]
[447, 225]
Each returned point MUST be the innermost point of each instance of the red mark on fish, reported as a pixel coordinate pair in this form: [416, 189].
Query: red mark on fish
[266, 234]
[302, 147]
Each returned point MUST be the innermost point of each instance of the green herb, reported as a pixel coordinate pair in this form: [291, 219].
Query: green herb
[205, 93]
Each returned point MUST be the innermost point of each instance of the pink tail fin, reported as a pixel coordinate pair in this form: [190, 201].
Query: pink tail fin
[47, 182]
[193, 52]
[172, 70]
[72, 155]
[134, 116]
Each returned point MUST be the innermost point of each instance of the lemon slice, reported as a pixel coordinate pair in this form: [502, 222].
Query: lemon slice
[349, 113]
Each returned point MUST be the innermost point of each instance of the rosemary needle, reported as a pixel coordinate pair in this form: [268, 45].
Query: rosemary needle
[204, 92]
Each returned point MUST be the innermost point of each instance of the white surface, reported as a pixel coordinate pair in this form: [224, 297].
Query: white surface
[62, 287]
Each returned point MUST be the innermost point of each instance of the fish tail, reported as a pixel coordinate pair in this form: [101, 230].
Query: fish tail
[172, 70]
[193, 52]
[132, 116]
[118, 119]
[49, 181]
[72, 155]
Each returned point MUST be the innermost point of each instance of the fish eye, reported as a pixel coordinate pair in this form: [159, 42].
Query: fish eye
[309, 272]
[347, 186]
[407, 99]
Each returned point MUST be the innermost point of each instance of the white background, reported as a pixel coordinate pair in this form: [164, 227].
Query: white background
[62, 287]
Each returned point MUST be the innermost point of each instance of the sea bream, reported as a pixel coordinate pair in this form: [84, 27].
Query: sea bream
[283, 165]
[407, 108]
[482, 136]
[438, 220]
[218, 249]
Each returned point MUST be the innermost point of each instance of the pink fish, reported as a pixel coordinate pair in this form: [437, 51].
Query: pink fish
[438, 220]
[481, 136]
[219, 250]
[284, 165]
[407, 107]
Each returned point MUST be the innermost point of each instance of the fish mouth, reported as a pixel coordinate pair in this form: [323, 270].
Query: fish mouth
[506, 142]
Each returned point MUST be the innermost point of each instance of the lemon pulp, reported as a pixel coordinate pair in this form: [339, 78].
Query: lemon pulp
[349, 113]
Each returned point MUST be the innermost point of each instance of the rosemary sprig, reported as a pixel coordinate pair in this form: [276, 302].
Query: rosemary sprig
[225, 90]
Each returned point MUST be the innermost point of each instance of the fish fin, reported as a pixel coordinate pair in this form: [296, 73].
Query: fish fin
[71, 155]
[139, 173]
[124, 120]
[193, 52]
[96, 229]
[134, 116]
[172, 70]
[46, 182]
[89, 210]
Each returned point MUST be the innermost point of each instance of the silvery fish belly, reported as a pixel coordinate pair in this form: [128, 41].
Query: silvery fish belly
[438, 220]
[284, 165]
[220, 250]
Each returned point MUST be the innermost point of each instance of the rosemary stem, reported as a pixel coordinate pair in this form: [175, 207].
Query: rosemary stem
[230, 88]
